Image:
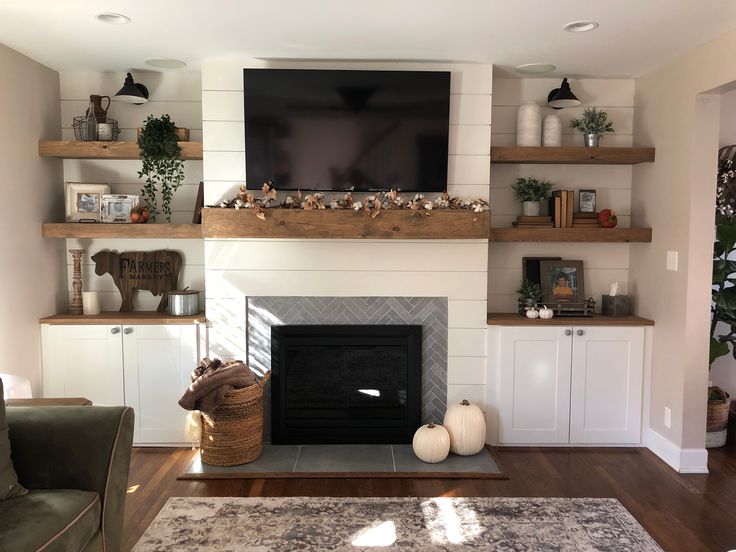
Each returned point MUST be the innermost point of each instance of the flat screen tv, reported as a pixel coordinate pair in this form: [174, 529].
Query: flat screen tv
[347, 130]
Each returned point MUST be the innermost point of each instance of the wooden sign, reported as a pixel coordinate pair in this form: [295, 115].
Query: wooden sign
[155, 271]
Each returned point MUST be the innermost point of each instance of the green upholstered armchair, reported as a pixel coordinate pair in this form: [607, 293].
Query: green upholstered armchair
[74, 461]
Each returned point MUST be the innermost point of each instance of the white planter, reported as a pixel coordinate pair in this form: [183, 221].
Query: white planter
[552, 131]
[529, 125]
[530, 208]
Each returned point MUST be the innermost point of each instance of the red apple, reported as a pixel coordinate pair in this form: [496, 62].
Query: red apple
[135, 216]
[607, 218]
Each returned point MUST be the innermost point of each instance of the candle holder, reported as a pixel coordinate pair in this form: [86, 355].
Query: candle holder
[75, 307]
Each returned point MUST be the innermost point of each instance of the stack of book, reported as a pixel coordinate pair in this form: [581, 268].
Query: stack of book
[585, 220]
[561, 207]
[533, 222]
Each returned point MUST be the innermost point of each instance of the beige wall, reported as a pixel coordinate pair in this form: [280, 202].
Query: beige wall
[675, 196]
[33, 278]
[728, 119]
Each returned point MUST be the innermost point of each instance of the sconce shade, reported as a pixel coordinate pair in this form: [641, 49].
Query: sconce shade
[562, 97]
[132, 92]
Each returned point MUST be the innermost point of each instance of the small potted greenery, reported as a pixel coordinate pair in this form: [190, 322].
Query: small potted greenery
[529, 293]
[530, 192]
[163, 167]
[593, 124]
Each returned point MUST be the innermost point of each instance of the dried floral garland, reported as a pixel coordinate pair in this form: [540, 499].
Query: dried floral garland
[371, 205]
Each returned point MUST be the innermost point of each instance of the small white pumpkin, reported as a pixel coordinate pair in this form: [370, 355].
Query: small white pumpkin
[532, 313]
[466, 425]
[431, 443]
[545, 313]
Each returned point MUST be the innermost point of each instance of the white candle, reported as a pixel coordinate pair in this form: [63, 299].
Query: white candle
[90, 302]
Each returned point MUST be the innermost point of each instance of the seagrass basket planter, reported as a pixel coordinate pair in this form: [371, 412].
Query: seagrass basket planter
[232, 434]
[717, 418]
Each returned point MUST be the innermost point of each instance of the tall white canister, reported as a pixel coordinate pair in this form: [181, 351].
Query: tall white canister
[552, 131]
[529, 125]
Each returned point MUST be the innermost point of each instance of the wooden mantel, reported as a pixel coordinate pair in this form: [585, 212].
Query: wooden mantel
[329, 224]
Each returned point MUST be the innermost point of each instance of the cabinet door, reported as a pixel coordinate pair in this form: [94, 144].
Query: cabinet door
[535, 385]
[607, 371]
[158, 362]
[83, 361]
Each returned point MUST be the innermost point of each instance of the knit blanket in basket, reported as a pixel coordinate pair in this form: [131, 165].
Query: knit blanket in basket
[211, 380]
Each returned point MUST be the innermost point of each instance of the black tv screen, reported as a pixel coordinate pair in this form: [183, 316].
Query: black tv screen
[346, 130]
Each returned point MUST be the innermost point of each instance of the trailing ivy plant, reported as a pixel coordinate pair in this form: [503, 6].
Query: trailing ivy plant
[593, 122]
[163, 167]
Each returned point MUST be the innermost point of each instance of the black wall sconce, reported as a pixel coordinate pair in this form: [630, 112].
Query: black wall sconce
[132, 92]
[562, 97]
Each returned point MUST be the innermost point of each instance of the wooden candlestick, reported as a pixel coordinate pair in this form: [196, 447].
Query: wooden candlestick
[75, 307]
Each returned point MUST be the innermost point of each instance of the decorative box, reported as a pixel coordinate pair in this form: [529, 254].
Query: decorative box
[616, 305]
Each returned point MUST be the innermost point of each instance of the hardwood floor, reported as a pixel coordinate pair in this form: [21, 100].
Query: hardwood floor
[682, 512]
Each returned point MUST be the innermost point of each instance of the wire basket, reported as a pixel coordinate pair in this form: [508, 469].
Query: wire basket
[79, 124]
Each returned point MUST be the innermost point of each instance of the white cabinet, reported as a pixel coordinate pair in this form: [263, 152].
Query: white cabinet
[566, 384]
[146, 367]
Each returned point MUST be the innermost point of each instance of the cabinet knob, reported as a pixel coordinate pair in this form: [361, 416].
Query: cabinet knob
[128, 331]
[580, 332]
[568, 332]
[115, 330]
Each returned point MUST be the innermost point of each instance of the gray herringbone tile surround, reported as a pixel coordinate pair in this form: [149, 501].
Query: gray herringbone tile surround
[430, 312]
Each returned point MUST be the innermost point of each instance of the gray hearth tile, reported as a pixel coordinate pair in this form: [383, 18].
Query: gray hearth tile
[345, 458]
[274, 459]
[406, 461]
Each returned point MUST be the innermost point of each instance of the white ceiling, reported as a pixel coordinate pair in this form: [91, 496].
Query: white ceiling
[635, 36]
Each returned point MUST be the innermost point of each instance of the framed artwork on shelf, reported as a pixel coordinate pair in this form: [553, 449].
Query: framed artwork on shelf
[530, 269]
[562, 281]
[83, 201]
[586, 201]
[116, 208]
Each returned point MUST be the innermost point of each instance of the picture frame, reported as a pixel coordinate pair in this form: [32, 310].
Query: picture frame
[116, 208]
[82, 201]
[530, 269]
[562, 281]
[587, 201]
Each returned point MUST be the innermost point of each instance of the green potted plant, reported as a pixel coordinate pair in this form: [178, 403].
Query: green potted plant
[530, 191]
[163, 167]
[593, 124]
[529, 293]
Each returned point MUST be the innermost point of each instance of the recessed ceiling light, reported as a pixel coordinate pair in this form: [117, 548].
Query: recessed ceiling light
[534, 68]
[580, 26]
[166, 63]
[113, 18]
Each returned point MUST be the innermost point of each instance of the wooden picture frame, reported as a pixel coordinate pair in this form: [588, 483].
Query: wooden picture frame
[562, 281]
[198, 205]
[83, 202]
[116, 208]
[530, 269]
[587, 201]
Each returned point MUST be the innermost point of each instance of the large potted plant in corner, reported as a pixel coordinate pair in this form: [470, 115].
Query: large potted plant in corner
[593, 124]
[163, 167]
[723, 311]
[530, 191]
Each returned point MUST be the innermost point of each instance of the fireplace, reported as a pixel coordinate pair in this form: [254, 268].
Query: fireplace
[345, 383]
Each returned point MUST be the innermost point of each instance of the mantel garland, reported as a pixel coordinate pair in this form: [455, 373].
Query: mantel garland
[372, 205]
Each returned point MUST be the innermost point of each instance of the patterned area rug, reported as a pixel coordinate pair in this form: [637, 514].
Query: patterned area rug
[426, 524]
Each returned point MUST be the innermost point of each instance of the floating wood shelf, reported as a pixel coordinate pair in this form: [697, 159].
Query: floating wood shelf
[572, 155]
[113, 317]
[70, 149]
[571, 235]
[100, 230]
[514, 319]
[327, 224]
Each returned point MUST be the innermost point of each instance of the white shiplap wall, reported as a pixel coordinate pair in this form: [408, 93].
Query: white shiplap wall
[176, 93]
[455, 269]
[604, 263]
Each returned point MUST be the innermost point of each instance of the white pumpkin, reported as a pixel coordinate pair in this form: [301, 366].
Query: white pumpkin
[545, 313]
[532, 313]
[431, 443]
[467, 428]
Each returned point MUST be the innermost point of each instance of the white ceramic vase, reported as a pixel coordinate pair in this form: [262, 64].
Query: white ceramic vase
[530, 208]
[552, 131]
[529, 125]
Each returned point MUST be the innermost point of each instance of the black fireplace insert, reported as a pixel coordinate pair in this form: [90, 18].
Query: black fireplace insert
[345, 383]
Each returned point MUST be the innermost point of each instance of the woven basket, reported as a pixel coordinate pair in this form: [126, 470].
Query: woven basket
[233, 433]
[718, 411]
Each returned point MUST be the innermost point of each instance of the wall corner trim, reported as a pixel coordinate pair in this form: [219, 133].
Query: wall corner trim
[679, 459]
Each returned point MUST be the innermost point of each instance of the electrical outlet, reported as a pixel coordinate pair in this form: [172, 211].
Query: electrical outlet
[667, 417]
[672, 260]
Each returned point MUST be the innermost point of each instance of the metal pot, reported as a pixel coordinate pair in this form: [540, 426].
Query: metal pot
[184, 302]
[591, 140]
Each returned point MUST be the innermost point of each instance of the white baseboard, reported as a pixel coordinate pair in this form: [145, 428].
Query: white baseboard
[679, 459]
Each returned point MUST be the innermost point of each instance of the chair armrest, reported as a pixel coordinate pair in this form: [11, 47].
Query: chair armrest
[76, 447]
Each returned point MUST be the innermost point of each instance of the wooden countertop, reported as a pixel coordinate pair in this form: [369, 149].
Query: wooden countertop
[123, 318]
[514, 319]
